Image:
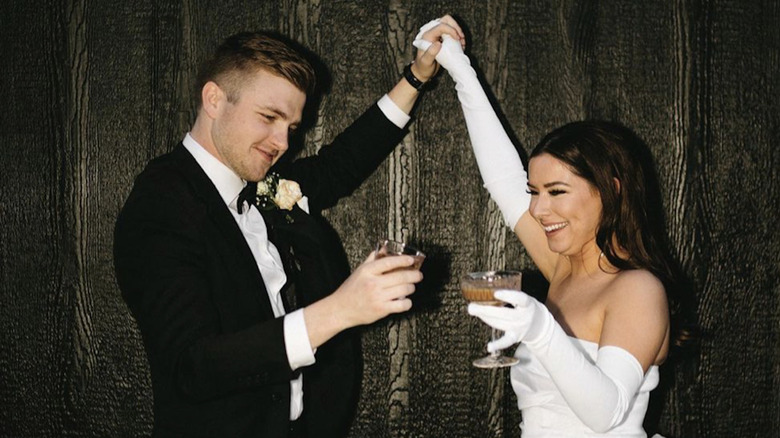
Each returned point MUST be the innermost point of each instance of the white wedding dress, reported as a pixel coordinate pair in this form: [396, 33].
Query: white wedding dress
[545, 412]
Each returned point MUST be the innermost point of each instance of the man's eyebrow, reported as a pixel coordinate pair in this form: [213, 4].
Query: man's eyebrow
[279, 112]
[274, 109]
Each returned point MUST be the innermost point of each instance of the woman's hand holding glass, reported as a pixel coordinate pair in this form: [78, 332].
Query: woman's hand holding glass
[480, 287]
[526, 321]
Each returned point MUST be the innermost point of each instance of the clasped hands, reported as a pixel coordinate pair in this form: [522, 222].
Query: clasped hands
[437, 34]
[527, 320]
[447, 49]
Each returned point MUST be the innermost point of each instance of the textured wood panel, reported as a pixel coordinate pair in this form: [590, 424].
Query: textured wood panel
[95, 89]
[34, 323]
[738, 181]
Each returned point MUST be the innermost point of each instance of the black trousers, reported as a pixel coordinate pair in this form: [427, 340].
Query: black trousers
[297, 429]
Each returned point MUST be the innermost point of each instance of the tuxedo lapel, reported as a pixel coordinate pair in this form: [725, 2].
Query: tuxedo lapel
[306, 257]
[294, 227]
[296, 235]
[238, 257]
[284, 228]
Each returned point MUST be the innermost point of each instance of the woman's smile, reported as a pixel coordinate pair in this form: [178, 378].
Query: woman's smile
[549, 229]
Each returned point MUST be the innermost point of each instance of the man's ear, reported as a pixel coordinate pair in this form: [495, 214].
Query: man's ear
[211, 97]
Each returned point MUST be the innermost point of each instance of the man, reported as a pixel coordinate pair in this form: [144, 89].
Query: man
[242, 309]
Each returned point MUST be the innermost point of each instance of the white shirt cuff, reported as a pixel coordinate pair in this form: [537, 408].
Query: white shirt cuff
[296, 340]
[392, 112]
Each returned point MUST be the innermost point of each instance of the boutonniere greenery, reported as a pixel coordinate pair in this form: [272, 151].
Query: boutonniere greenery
[273, 192]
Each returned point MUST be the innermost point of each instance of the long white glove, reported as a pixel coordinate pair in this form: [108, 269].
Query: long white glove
[600, 394]
[499, 164]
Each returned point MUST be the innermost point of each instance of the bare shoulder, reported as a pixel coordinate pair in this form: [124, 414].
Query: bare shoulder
[637, 316]
[637, 284]
[638, 297]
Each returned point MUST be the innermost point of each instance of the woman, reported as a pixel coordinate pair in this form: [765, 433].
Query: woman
[589, 355]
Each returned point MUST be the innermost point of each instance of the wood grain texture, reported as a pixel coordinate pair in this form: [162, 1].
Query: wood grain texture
[739, 112]
[402, 223]
[96, 89]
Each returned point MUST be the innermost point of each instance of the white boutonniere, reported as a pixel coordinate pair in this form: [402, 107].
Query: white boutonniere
[273, 192]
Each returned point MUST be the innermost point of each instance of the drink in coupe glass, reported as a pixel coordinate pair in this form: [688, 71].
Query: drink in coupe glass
[394, 248]
[478, 287]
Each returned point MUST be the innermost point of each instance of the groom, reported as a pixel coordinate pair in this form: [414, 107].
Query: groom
[243, 311]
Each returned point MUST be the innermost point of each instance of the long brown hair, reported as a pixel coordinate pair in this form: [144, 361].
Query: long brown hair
[618, 164]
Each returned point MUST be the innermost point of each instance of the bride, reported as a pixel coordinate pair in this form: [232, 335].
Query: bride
[589, 355]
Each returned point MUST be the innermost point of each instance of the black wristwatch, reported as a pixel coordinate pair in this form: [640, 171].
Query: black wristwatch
[411, 78]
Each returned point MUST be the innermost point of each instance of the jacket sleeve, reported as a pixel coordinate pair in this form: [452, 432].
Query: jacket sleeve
[339, 168]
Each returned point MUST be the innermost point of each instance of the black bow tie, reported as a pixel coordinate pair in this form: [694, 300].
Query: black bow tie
[248, 194]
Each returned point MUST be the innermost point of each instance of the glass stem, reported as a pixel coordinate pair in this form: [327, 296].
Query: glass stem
[494, 335]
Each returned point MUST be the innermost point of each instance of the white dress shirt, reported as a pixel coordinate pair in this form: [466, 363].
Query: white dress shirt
[253, 227]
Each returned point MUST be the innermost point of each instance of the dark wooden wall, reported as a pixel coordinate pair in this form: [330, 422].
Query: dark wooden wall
[93, 89]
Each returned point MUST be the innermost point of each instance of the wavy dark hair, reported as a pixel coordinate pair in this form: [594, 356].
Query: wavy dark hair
[618, 164]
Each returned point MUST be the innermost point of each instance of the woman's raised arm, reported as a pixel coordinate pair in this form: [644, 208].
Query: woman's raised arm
[502, 171]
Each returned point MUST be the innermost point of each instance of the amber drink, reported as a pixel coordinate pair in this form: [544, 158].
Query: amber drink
[478, 287]
[394, 248]
[479, 295]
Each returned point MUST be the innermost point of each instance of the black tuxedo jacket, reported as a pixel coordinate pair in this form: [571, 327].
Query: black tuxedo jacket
[216, 351]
